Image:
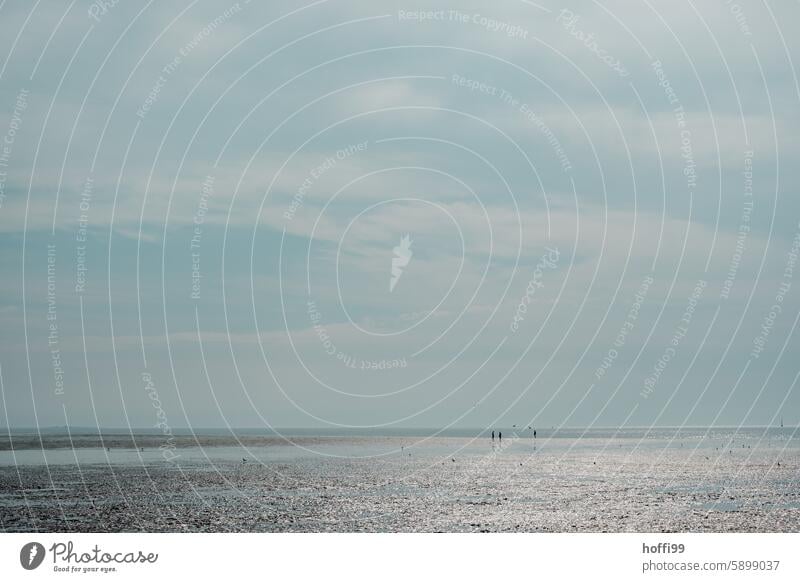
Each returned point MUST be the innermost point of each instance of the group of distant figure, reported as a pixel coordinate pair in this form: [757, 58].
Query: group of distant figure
[500, 435]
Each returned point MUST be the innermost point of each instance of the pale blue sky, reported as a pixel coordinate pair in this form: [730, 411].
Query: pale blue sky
[486, 132]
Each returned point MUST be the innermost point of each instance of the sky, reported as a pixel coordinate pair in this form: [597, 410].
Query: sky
[399, 214]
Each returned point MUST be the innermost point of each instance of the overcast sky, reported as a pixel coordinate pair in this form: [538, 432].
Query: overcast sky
[203, 209]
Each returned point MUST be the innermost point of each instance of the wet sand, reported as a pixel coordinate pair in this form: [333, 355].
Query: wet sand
[441, 485]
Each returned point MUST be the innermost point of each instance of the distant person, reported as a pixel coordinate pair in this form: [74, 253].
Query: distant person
[492, 435]
[534, 433]
[500, 435]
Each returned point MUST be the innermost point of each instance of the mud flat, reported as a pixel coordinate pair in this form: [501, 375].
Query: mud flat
[397, 485]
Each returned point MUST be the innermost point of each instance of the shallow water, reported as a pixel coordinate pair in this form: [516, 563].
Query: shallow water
[695, 480]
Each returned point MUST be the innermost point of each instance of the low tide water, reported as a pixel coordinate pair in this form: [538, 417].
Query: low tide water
[577, 480]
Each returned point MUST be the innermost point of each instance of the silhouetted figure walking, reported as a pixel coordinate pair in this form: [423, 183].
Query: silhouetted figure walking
[500, 435]
[492, 435]
[534, 433]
